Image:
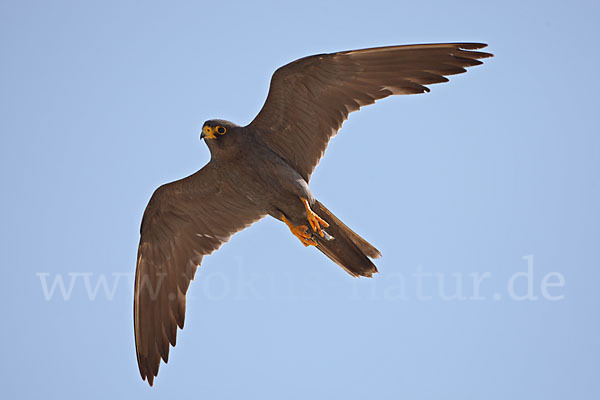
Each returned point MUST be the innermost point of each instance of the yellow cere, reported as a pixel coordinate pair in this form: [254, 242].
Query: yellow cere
[209, 132]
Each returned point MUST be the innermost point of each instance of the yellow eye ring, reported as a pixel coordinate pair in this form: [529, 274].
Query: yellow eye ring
[221, 130]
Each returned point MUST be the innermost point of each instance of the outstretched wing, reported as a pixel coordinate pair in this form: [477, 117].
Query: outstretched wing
[183, 221]
[310, 98]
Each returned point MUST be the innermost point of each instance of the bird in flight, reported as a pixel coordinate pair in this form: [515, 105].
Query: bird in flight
[263, 169]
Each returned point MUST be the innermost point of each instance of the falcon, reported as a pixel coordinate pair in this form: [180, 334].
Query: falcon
[263, 169]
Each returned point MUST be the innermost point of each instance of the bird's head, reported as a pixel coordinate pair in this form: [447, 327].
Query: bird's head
[219, 134]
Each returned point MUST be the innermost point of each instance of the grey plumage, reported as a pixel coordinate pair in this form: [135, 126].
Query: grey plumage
[264, 169]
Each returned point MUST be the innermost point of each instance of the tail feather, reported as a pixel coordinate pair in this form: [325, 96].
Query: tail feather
[347, 249]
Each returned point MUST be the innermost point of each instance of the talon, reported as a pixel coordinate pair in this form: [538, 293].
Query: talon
[301, 232]
[316, 223]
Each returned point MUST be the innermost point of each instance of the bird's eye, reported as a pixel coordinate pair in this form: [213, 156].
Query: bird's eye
[221, 130]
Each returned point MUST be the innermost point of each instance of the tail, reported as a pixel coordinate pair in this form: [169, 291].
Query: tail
[346, 248]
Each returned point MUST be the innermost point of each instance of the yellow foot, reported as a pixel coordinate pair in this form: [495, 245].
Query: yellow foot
[301, 232]
[317, 223]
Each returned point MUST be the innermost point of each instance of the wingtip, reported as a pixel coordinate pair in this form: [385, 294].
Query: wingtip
[148, 378]
[146, 373]
[475, 46]
[472, 45]
[368, 274]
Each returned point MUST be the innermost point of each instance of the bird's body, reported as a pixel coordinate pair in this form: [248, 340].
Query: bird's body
[259, 174]
[264, 168]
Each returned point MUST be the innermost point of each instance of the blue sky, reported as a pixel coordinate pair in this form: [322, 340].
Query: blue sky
[491, 178]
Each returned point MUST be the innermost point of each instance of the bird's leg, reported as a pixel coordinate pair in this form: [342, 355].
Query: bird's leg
[301, 232]
[314, 220]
